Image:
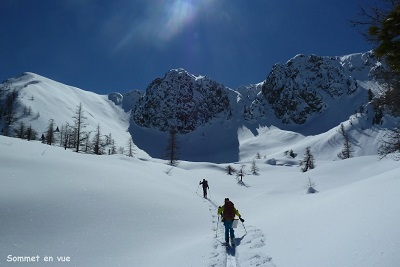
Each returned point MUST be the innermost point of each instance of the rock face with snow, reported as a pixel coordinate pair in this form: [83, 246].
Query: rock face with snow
[182, 101]
[305, 85]
[308, 95]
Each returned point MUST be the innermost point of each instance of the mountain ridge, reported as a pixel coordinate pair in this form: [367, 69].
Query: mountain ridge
[309, 95]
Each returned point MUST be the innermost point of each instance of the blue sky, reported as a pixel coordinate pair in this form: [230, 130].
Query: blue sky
[116, 46]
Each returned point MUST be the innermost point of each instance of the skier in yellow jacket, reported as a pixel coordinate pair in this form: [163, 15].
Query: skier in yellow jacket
[228, 212]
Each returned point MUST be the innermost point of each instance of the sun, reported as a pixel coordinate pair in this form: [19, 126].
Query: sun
[177, 16]
[162, 22]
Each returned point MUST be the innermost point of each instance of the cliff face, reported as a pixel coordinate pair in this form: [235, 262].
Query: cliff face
[308, 85]
[182, 101]
[303, 87]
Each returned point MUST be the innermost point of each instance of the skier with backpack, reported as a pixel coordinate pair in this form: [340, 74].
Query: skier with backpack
[205, 187]
[228, 212]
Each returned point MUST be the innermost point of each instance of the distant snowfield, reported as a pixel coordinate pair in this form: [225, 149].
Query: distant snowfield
[121, 211]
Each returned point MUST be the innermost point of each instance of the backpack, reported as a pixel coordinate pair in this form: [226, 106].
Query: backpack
[229, 211]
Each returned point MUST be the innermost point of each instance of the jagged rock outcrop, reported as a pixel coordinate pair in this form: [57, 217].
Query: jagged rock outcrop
[182, 101]
[305, 85]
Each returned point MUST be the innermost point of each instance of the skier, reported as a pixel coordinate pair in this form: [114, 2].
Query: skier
[205, 186]
[228, 212]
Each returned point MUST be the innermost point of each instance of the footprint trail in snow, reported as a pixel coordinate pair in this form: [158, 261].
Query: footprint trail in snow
[249, 249]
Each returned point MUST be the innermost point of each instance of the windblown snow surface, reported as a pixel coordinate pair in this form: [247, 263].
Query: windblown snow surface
[62, 208]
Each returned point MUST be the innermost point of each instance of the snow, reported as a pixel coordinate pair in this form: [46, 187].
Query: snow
[121, 211]
[113, 210]
[58, 102]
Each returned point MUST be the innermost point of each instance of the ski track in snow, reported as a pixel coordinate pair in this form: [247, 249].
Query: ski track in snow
[248, 251]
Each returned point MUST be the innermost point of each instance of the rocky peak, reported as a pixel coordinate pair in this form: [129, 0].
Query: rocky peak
[305, 84]
[181, 100]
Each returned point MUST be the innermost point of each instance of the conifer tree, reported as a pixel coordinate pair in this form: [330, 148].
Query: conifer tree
[30, 133]
[308, 161]
[113, 147]
[130, 148]
[50, 133]
[254, 168]
[20, 131]
[390, 144]
[97, 142]
[380, 26]
[66, 136]
[9, 112]
[172, 147]
[88, 144]
[386, 33]
[79, 126]
[347, 151]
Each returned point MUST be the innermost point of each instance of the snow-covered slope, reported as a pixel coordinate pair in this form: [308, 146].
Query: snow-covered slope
[116, 210]
[40, 100]
[308, 96]
[106, 211]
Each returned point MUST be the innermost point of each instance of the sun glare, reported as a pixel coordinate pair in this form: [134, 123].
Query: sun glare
[178, 15]
[163, 21]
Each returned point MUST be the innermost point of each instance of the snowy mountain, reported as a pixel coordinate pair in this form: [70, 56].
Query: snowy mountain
[39, 100]
[308, 95]
[309, 86]
[60, 208]
[182, 101]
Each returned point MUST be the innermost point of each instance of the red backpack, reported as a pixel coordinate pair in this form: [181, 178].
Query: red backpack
[229, 211]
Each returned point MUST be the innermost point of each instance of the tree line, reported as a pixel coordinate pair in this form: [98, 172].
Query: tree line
[70, 136]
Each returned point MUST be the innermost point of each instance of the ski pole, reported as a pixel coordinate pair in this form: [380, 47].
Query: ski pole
[209, 192]
[244, 227]
[197, 188]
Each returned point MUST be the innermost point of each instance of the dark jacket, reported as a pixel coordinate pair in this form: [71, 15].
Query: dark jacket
[205, 184]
